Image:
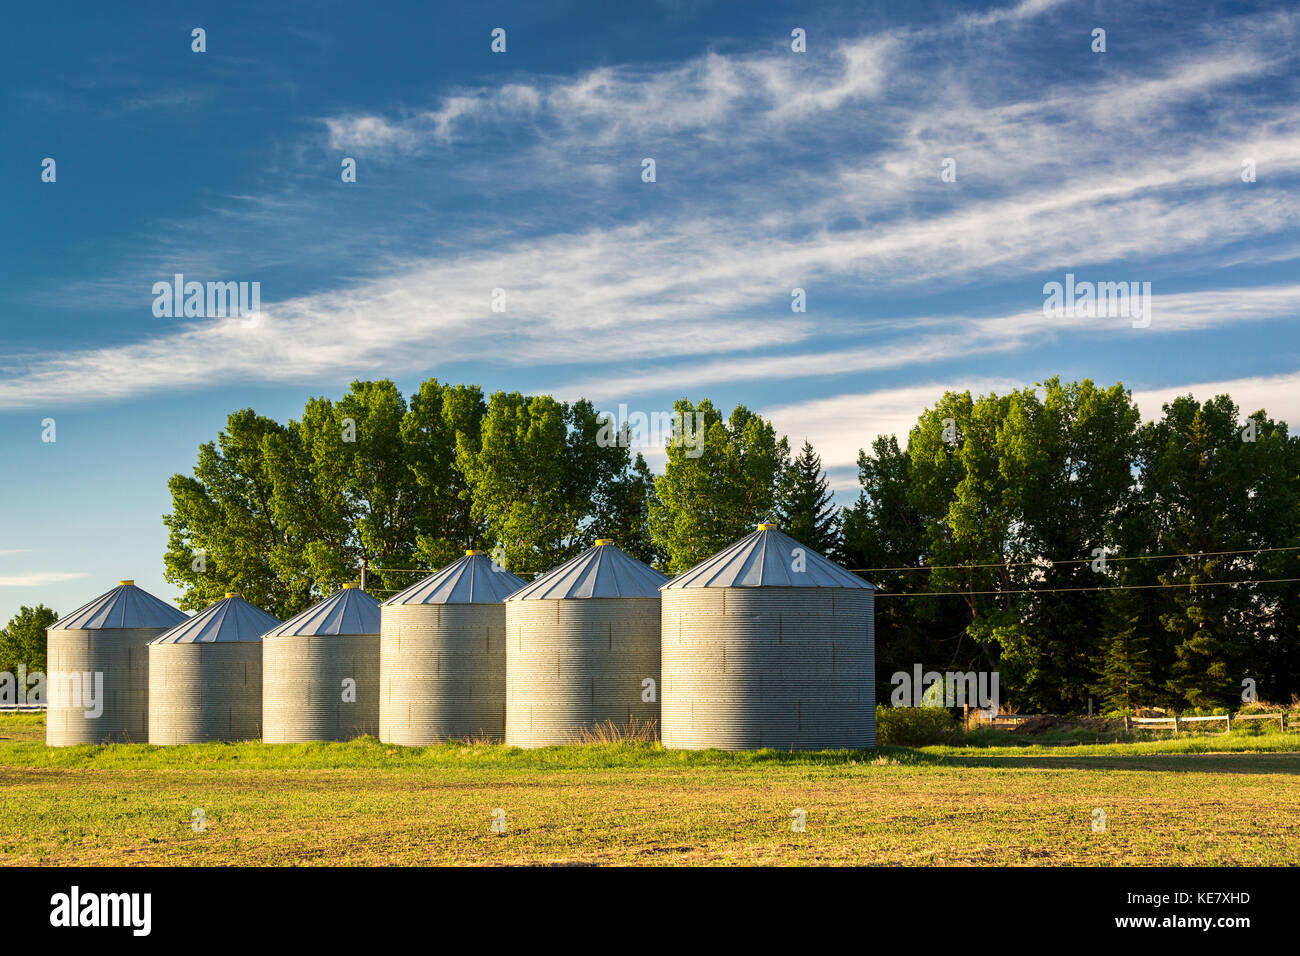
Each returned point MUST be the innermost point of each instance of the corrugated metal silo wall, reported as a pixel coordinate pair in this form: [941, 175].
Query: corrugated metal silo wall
[205, 692]
[122, 657]
[786, 668]
[442, 673]
[303, 690]
[572, 664]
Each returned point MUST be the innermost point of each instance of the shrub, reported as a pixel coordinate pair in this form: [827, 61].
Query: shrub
[914, 726]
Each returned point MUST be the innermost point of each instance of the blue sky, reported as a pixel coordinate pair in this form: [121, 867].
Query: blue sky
[522, 171]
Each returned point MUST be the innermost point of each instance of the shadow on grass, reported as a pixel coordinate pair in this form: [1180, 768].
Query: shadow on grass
[1246, 762]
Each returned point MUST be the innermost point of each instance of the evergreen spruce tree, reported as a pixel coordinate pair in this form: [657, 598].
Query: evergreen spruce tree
[1126, 679]
[804, 503]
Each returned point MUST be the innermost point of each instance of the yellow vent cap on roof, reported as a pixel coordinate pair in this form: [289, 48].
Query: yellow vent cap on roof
[126, 581]
[768, 526]
[471, 552]
[604, 541]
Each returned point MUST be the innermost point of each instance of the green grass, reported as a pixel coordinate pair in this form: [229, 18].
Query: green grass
[1213, 799]
[1250, 740]
[22, 727]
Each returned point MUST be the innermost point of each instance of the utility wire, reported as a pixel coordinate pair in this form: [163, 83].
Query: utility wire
[1039, 562]
[417, 570]
[1117, 587]
[934, 567]
[1003, 564]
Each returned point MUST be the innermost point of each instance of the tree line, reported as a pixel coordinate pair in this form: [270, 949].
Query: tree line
[287, 512]
[1084, 554]
[994, 531]
[22, 640]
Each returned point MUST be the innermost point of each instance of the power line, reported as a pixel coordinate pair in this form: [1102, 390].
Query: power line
[416, 570]
[936, 567]
[1117, 587]
[1051, 563]
[1003, 564]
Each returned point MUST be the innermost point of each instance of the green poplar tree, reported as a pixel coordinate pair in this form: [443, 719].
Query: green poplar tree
[716, 486]
[535, 476]
[224, 532]
[22, 641]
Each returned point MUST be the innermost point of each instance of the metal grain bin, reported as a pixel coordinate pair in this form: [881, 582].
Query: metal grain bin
[205, 676]
[442, 655]
[582, 642]
[320, 671]
[97, 668]
[768, 644]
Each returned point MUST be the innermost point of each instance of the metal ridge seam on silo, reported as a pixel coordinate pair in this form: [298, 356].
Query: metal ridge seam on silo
[601, 571]
[471, 579]
[733, 566]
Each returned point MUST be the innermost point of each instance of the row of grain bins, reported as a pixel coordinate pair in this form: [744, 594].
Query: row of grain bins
[765, 644]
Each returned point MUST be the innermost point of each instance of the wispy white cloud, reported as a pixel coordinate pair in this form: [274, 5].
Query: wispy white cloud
[368, 133]
[1279, 395]
[942, 338]
[842, 425]
[763, 158]
[39, 578]
[617, 104]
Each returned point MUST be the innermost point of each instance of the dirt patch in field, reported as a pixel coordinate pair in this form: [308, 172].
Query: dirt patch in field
[1046, 723]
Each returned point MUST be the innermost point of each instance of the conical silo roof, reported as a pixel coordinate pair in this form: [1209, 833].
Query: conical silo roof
[124, 606]
[230, 620]
[348, 610]
[472, 579]
[602, 571]
[766, 558]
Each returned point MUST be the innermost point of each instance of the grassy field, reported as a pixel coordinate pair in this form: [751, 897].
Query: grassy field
[1190, 800]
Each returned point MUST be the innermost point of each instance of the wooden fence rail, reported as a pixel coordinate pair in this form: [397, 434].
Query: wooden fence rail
[1007, 721]
[1226, 718]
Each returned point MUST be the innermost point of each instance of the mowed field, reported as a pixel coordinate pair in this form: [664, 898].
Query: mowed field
[1203, 800]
